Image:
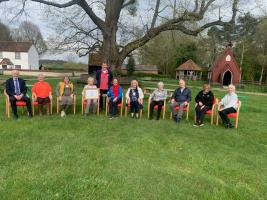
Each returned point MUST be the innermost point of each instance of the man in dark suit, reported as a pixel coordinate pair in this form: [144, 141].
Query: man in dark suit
[104, 80]
[16, 90]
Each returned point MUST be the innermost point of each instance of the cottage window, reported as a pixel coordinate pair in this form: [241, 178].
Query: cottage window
[17, 55]
[17, 66]
[1, 54]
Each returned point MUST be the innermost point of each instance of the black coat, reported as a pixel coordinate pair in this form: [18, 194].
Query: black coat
[206, 99]
[179, 96]
[98, 78]
[10, 87]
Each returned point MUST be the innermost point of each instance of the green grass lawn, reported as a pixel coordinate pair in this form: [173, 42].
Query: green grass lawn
[95, 158]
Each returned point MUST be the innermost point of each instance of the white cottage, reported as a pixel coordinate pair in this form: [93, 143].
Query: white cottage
[18, 55]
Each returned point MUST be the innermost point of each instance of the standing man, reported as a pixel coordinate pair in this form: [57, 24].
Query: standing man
[16, 90]
[104, 80]
[181, 97]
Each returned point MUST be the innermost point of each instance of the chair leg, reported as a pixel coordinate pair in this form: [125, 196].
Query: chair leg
[187, 114]
[82, 107]
[148, 110]
[141, 113]
[236, 121]
[106, 107]
[74, 107]
[98, 107]
[8, 111]
[126, 111]
[57, 107]
[217, 121]
[211, 121]
[164, 112]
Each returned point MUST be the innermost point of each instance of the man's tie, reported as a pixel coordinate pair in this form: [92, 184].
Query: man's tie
[17, 89]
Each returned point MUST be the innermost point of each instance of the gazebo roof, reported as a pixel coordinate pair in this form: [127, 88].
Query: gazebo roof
[189, 65]
[6, 61]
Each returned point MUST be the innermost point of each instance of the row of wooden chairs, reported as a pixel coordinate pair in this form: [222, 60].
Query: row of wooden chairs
[212, 112]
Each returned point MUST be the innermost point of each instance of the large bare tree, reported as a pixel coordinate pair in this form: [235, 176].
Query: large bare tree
[108, 24]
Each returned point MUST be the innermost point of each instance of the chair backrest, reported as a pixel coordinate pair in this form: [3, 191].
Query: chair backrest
[214, 100]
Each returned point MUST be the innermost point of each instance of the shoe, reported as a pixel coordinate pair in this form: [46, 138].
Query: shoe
[132, 115]
[196, 125]
[200, 125]
[63, 114]
[136, 116]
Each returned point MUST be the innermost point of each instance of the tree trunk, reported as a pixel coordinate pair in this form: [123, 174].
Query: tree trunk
[261, 77]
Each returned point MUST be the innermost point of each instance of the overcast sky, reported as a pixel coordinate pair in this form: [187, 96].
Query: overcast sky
[36, 13]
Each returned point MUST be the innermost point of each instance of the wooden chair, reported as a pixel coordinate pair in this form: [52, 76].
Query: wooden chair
[74, 104]
[119, 106]
[128, 107]
[232, 115]
[186, 109]
[156, 108]
[212, 111]
[35, 104]
[8, 105]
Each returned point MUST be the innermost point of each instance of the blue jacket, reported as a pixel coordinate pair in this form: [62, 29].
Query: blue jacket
[111, 94]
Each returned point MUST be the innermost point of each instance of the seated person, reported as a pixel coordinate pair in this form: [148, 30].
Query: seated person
[134, 98]
[204, 100]
[228, 105]
[16, 90]
[65, 92]
[115, 95]
[157, 98]
[90, 85]
[181, 97]
[42, 93]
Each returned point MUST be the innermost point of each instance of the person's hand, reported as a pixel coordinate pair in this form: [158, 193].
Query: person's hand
[200, 103]
[59, 98]
[128, 100]
[172, 101]
[115, 99]
[186, 103]
[50, 97]
[18, 97]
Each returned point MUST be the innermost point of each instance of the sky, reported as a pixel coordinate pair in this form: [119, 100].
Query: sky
[36, 14]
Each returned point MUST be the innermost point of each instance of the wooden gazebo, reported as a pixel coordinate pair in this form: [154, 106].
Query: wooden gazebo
[189, 71]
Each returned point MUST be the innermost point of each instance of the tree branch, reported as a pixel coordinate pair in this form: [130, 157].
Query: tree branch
[155, 14]
[130, 2]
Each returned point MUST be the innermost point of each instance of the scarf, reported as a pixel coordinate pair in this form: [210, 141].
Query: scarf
[115, 90]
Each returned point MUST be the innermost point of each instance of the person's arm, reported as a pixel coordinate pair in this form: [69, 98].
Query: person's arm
[120, 93]
[8, 88]
[152, 96]
[24, 87]
[165, 94]
[110, 92]
[141, 94]
[50, 91]
[189, 97]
